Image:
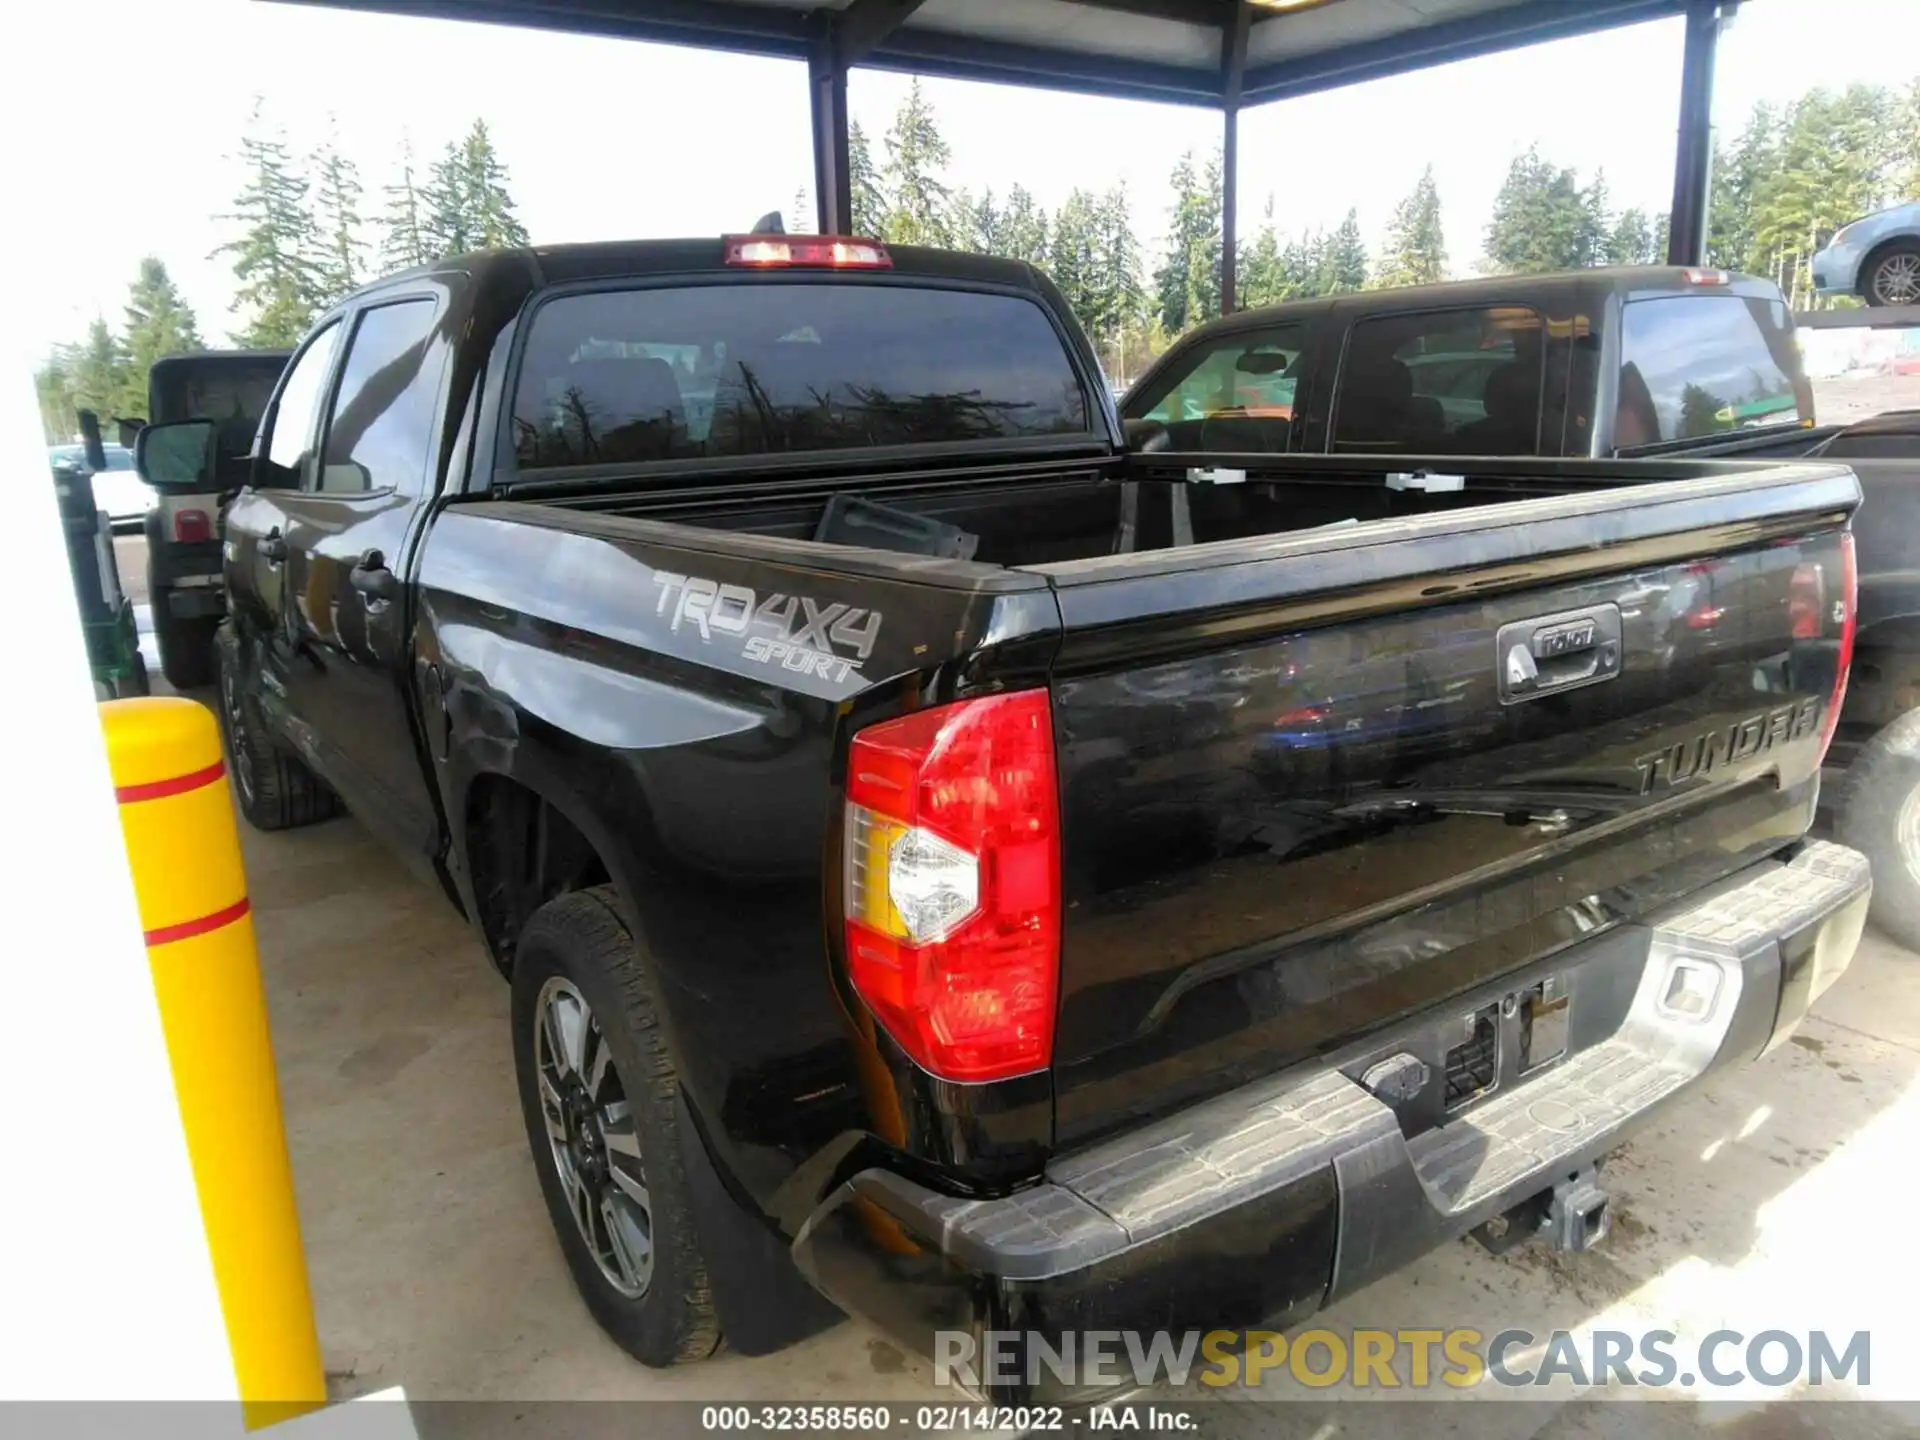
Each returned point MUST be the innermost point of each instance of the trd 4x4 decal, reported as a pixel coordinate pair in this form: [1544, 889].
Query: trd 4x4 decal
[793, 632]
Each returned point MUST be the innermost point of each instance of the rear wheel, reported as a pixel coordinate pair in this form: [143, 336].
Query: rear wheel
[599, 1093]
[186, 642]
[1893, 277]
[276, 791]
[1879, 815]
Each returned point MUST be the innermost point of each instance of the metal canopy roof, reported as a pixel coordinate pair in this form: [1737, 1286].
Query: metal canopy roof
[1165, 50]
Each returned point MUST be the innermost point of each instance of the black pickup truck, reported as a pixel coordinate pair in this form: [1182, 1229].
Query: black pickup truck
[925, 886]
[1637, 361]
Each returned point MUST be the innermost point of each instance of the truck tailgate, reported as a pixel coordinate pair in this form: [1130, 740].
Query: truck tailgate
[1311, 785]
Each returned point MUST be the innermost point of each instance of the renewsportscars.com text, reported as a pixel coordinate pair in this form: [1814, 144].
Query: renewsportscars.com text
[1403, 1359]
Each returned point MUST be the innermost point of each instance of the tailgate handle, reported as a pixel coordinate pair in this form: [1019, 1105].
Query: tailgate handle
[1551, 653]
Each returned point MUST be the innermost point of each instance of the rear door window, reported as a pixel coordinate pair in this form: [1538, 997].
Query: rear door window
[621, 377]
[1452, 382]
[1702, 364]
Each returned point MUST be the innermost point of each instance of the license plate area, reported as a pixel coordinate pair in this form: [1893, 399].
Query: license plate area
[1452, 1065]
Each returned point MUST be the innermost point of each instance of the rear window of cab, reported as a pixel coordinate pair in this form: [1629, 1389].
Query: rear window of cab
[648, 375]
[1697, 365]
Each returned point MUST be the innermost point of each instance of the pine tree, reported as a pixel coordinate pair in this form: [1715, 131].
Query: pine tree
[1736, 173]
[1262, 278]
[1186, 283]
[1204, 249]
[800, 219]
[1073, 261]
[53, 388]
[1303, 263]
[1832, 160]
[1596, 225]
[976, 223]
[1343, 262]
[273, 257]
[1022, 226]
[1541, 220]
[1123, 301]
[100, 377]
[1170, 276]
[489, 208]
[1904, 142]
[341, 261]
[1631, 240]
[917, 154]
[1416, 246]
[448, 229]
[869, 202]
[404, 242]
[159, 323]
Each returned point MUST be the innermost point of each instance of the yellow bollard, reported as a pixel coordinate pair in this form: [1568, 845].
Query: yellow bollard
[184, 850]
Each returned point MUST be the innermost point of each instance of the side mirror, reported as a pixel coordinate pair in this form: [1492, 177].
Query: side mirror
[346, 477]
[1145, 436]
[90, 438]
[176, 458]
[129, 431]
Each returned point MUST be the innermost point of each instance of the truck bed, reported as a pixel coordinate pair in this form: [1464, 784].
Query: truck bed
[1298, 802]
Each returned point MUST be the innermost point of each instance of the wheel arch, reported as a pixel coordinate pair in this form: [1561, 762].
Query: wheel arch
[1906, 240]
[565, 849]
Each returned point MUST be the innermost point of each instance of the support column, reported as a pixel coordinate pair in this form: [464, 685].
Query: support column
[1233, 66]
[1693, 148]
[832, 180]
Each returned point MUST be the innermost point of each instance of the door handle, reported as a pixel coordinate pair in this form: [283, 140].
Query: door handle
[371, 577]
[273, 547]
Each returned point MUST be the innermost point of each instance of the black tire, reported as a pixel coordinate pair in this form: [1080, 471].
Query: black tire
[275, 790]
[1881, 787]
[1892, 276]
[578, 942]
[186, 643]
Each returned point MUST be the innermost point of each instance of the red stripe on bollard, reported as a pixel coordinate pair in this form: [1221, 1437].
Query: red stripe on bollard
[187, 929]
[178, 785]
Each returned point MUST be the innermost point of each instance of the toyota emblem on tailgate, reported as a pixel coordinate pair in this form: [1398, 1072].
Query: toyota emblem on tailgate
[1551, 653]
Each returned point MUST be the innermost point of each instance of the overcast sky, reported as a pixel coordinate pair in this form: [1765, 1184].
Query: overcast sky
[603, 138]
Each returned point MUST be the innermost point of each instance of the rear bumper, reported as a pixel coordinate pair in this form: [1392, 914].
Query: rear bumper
[1260, 1206]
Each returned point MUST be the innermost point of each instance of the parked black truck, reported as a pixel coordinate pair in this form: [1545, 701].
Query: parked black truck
[1638, 361]
[923, 884]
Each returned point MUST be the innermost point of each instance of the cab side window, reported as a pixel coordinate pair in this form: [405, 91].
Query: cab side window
[1458, 382]
[290, 447]
[1234, 393]
[381, 429]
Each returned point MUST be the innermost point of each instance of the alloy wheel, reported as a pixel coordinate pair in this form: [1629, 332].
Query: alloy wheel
[1896, 281]
[592, 1136]
[1906, 831]
[238, 740]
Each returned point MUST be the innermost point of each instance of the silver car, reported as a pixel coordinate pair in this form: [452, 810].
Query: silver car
[1876, 258]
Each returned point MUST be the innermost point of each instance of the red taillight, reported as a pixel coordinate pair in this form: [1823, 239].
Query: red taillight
[1305, 715]
[1847, 602]
[842, 252]
[953, 883]
[190, 526]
